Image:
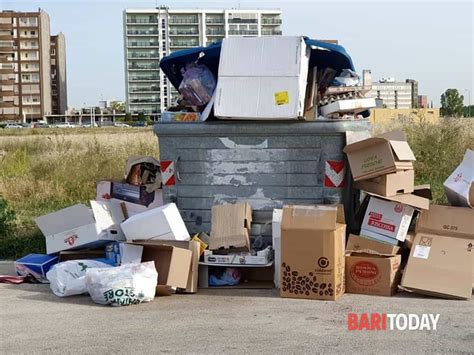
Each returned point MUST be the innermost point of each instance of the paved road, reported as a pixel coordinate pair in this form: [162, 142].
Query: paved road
[33, 320]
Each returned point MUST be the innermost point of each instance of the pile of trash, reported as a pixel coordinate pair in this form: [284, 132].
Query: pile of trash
[133, 242]
[281, 78]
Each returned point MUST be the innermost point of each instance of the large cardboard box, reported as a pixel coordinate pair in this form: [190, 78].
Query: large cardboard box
[252, 276]
[172, 264]
[268, 82]
[362, 244]
[448, 221]
[161, 223]
[439, 266]
[135, 198]
[386, 220]
[380, 155]
[459, 186]
[276, 243]
[390, 184]
[77, 226]
[312, 252]
[372, 274]
[230, 226]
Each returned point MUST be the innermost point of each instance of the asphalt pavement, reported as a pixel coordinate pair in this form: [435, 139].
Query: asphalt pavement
[33, 320]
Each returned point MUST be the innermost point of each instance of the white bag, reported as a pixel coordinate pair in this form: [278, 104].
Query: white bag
[124, 285]
[67, 278]
[459, 186]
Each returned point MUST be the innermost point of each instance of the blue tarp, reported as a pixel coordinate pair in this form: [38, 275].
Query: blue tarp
[323, 55]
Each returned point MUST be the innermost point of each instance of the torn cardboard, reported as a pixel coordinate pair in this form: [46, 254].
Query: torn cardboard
[439, 266]
[312, 252]
[361, 244]
[230, 226]
[401, 182]
[384, 154]
[459, 186]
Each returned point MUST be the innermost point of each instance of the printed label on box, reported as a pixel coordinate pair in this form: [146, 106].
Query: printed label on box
[421, 252]
[282, 98]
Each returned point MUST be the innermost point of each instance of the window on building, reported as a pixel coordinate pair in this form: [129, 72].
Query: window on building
[53, 51]
[26, 55]
[32, 33]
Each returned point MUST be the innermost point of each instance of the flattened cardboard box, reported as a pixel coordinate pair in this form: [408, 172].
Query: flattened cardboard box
[372, 274]
[439, 266]
[448, 221]
[390, 184]
[230, 226]
[171, 263]
[312, 252]
[459, 186]
[362, 244]
[384, 154]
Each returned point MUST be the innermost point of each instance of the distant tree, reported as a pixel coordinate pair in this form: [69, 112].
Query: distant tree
[452, 103]
[118, 106]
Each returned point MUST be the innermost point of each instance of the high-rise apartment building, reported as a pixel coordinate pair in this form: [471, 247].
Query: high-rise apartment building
[58, 74]
[151, 34]
[396, 94]
[25, 66]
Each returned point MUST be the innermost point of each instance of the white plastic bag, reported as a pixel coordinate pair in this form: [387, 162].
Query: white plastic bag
[67, 278]
[124, 285]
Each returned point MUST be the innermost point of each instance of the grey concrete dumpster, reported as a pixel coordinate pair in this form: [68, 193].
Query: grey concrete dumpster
[267, 164]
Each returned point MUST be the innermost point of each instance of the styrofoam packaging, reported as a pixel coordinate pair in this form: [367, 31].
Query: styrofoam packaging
[276, 239]
[162, 223]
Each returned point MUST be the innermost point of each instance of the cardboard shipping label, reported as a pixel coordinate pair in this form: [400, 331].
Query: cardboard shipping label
[282, 98]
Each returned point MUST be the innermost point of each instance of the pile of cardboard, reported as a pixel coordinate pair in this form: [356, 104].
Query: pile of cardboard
[277, 81]
[127, 223]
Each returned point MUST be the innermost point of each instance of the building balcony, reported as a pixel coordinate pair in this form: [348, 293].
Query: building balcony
[28, 23]
[242, 20]
[6, 26]
[144, 90]
[215, 21]
[144, 78]
[271, 21]
[184, 33]
[144, 67]
[141, 33]
[6, 37]
[178, 44]
[144, 101]
[243, 32]
[143, 44]
[271, 33]
[215, 33]
[143, 21]
[143, 56]
[183, 21]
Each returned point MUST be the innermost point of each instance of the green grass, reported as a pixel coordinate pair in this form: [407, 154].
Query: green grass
[53, 169]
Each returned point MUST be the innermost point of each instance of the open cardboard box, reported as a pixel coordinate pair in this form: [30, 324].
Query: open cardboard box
[312, 252]
[253, 276]
[401, 182]
[172, 264]
[380, 155]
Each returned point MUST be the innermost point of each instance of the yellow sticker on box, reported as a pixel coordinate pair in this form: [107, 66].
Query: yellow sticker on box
[282, 98]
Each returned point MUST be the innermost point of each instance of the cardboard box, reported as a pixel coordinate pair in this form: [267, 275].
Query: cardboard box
[262, 257]
[75, 226]
[161, 223]
[352, 106]
[361, 244]
[312, 252]
[270, 78]
[135, 198]
[372, 274]
[36, 265]
[230, 227]
[385, 220]
[389, 185]
[459, 186]
[439, 266]
[448, 221]
[276, 242]
[380, 155]
[203, 240]
[172, 264]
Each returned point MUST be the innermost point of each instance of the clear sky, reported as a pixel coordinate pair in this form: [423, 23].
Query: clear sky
[430, 41]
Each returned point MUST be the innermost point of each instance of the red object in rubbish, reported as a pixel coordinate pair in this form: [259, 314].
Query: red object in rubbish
[10, 279]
